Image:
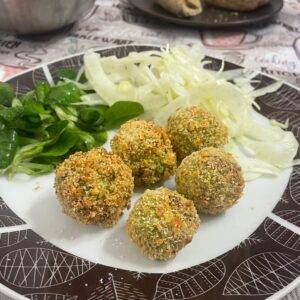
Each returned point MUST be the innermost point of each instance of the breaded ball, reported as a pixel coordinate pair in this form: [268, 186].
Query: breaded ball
[161, 223]
[146, 149]
[94, 187]
[212, 179]
[192, 129]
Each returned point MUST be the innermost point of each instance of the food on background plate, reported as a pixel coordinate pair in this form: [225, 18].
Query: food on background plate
[183, 8]
[146, 149]
[189, 8]
[94, 187]
[212, 179]
[192, 129]
[161, 223]
[238, 5]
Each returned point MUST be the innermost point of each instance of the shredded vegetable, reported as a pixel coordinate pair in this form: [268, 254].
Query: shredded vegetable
[167, 80]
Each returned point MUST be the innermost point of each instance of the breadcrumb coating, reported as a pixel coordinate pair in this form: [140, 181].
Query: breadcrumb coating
[94, 187]
[192, 129]
[212, 179]
[161, 223]
[146, 149]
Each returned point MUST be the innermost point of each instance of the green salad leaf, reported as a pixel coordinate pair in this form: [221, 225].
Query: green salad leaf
[63, 145]
[56, 128]
[67, 73]
[34, 169]
[92, 115]
[121, 112]
[42, 90]
[42, 127]
[8, 115]
[70, 74]
[100, 137]
[8, 146]
[6, 94]
[64, 94]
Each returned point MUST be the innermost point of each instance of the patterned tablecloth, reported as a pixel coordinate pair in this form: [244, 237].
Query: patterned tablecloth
[273, 49]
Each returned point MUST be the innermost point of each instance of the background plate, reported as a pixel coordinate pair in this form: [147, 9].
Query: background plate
[212, 17]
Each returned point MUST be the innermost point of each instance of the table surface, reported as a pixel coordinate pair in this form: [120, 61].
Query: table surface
[273, 49]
